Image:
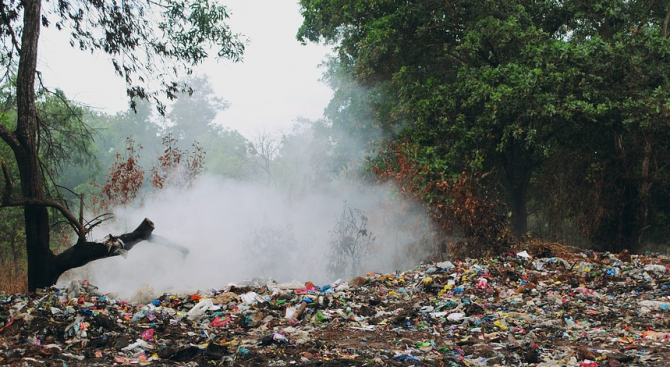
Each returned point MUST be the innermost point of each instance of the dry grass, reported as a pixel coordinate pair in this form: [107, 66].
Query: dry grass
[13, 278]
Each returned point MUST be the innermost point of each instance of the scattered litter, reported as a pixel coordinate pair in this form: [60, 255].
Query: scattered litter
[547, 309]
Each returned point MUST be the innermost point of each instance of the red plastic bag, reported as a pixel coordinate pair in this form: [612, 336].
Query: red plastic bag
[220, 321]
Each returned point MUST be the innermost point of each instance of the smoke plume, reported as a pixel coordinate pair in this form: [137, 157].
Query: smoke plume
[239, 230]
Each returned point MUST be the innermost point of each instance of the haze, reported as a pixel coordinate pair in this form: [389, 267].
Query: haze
[278, 81]
[220, 220]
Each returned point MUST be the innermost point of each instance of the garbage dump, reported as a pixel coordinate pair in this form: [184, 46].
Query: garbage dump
[555, 308]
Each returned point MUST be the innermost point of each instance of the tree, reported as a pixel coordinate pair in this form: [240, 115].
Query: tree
[12, 233]
[192, 115]
[467, 79]
[227, 151]
[147, 41]
[511, 89]
[192, 118]
[309, 159]
[459, 205]
[264, 148]
[350, 243]
[139, 124]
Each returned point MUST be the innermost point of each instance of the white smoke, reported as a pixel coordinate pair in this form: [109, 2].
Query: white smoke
[216, 220]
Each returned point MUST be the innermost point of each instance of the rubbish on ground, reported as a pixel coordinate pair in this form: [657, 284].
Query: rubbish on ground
[561, 309]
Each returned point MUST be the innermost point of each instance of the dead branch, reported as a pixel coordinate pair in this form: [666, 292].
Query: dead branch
[84, 252]
[97, 221]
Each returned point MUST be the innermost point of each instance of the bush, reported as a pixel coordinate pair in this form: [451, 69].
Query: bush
[459, 203]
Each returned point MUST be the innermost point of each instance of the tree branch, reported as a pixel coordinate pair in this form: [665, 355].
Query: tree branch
[84, 252]
[81, 231]
[98, 220]
[141, 233]
[9, 137]
[7, 201]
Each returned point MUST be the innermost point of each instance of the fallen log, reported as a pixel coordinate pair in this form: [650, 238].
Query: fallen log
[83, 252]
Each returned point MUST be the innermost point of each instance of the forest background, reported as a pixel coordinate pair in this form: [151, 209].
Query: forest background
[504, 121]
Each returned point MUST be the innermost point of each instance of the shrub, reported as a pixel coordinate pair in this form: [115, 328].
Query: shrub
[459, 203]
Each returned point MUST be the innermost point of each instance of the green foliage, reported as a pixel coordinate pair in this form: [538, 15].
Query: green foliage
[192, 115]
[513, 89]
[65, 142]
[227, 152]
[65, 138]
[189, 119]
[145, 40]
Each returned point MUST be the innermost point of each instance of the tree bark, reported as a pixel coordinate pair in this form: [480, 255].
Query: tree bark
[84, 252]
[642, 219]
[27, 151]
[520, 211]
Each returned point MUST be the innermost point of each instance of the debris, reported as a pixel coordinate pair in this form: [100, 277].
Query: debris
[579, 309]
[144, 294]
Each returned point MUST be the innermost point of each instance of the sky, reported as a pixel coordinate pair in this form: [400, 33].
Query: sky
[277, 82]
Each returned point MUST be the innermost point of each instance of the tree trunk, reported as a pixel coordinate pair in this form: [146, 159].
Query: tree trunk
[37, 246]
[27, 151]
[635, 213]
[629, 196]
[520, 211]
[518, 171]
[643, 193]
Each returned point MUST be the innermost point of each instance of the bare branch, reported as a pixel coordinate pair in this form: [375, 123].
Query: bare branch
[7, 201]
[74, 223]
[167, 243]
[81, 208]
[67, 103]
[98, 220]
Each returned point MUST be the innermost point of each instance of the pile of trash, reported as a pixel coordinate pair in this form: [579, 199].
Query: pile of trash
[571, 309]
